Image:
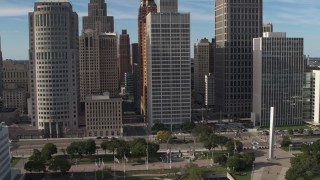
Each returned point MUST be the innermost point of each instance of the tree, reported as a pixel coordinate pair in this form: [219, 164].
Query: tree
[285, 141]
[193, 171]
[163, 136]
[300, 131]
[29, 166]
[138, 147]
[236, 163]
[36, 166]
[73, 149]
[187, 126]
[90, 147]
[113, 144]
[153, 148]
[104, 146]
[221, 159]
[234, 146]
[290, 132]
[202, 132]
[36, 156]
[48, 150]
[123, 148]
[158, 127]
[60, 164]
[248, 158]
[310, 132]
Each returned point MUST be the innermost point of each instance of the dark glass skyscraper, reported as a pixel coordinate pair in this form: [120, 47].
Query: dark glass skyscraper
[236, 24]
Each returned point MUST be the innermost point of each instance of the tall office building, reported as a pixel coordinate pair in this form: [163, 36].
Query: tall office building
[203, 56]
[98, 52]
[54, 61]
[209, 90]
[236, 24]
[135, 53]
[169, 76]
[97, 18]
[146, 7]
[1, 67]
[278, 79]
[124, 55]
[5, 156]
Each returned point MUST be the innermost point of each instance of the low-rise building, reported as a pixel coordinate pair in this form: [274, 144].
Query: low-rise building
[103, 116]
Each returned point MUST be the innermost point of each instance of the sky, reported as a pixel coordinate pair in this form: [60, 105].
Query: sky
[299, 18]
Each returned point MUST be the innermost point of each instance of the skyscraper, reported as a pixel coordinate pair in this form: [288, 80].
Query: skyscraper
[168, 57]
[5, 172]
[124, 55]
[98, 52]
[135, 53]
[278, 79]
[203, 52]
[146, 7]
[54, 60]
[236, 24]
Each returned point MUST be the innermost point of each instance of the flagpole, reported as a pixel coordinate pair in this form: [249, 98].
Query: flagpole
[170, 157]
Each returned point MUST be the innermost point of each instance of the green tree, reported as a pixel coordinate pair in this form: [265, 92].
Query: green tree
[60, 164]
[236, 163]
[29, 166]
[221, 159]
[153, 148]
[36, 156]
[248, 158]
[158, 127]
[138, 147]
[187, 126]
[48, 150]
[35, 166]
[104, 146]
[90, 147]
[163, 136]
[123, 148]
[285, 141]
[310, 132]
[290, 132]
[201, 132]
[113, 144]
[73, 149]
[234, 146]
[193, 171]
[301, 130]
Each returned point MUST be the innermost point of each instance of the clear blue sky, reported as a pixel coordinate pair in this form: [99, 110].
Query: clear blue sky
[299, 18]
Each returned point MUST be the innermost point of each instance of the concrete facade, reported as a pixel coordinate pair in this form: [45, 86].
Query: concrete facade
[203, 54]
[15, 84]
[209, 90]
[278, 77]
[103, 116]
[169, 76]
[236, 24]
[54, 66]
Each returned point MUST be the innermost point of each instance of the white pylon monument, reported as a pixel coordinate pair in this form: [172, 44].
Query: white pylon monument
[271, 134]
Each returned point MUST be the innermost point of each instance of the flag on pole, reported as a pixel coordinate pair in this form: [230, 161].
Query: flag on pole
[235, 146]
[126, 159]
[116, 160]
[102, 163]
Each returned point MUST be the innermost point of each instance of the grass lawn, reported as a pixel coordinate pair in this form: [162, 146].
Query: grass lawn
[246, 175]
[14, 161]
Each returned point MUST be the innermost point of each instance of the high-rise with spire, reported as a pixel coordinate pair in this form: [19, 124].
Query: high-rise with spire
[236, 24]
[98, 52]
[146, 7]
[54, 61]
